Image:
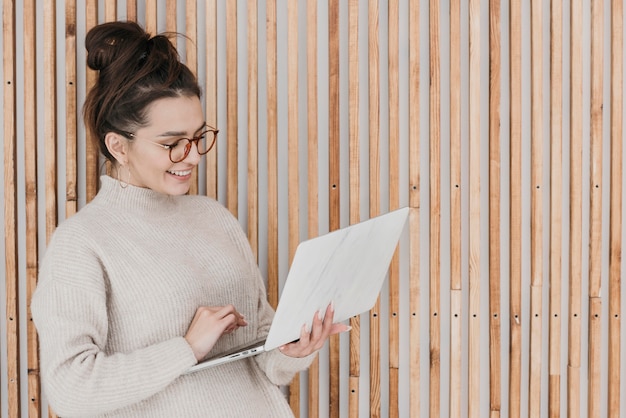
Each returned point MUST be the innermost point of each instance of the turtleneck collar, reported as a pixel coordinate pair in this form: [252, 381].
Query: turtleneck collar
[134, 199]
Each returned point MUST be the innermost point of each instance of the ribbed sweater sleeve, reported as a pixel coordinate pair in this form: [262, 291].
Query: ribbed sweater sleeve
[70, 312]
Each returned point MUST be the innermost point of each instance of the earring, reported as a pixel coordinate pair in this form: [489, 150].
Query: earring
[123, 184]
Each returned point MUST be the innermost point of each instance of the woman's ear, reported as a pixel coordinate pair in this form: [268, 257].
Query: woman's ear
[117, 146]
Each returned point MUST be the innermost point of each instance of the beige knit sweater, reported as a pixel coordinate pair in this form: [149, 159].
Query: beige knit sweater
[118, 287]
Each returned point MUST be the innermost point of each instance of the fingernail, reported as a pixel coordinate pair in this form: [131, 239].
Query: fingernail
[332, 306]
[319, 315]
[348, 328]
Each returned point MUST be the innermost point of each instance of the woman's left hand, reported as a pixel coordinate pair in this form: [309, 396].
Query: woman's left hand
[314, 340]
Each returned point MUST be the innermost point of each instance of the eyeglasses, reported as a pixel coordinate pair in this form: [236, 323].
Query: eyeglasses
[179, 150]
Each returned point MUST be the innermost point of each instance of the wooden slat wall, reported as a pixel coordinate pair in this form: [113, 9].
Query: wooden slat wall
[372, 111]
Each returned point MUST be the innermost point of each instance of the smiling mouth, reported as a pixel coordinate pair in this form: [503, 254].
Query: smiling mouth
[180, 173]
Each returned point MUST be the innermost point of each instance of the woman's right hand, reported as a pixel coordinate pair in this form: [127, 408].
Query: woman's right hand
[209, 324]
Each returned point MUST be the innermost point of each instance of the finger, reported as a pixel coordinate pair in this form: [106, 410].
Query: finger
[328, 319]
[305, 336]
[239, 318]
[316, 327]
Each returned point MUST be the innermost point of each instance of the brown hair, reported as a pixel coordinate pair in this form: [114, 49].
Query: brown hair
[134, 70]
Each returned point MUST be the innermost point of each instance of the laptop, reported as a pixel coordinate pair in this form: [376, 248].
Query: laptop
[346, 267]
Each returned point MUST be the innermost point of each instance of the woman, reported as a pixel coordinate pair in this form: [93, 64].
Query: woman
[145, 281]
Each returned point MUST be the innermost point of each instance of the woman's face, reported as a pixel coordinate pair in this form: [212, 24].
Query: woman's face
[169, 119]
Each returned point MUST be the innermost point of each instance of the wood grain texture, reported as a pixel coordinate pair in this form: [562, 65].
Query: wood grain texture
[374, 198]
[615, 209]
[191, 60]
[474, 345]
[495, 197]
[370, 102]
[50, 116]
[71, 111]
[594, 393]
[536, 211]
[435, 210]
[313, 170]
[31, 205]
[232, 127]
[151, 8]
[210, 87]
[110, 10]
[253, 129]
[272, 156]
[131, 10]
[12, 373]
[354, 194]
[170, 17]
[393, 347]
[515, 210]
[293, 188]
[456, 185]
[91, 144]
[334, 179]
[414, 204]
[556, 209]
[575, 224]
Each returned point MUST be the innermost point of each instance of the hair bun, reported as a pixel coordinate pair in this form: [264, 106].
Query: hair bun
[114, 42]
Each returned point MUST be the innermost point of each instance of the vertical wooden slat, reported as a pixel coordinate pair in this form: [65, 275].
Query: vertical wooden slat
[575, 227]
[10, 209]
[414, 204]
[253, 135]
[30, 184]
[231, 106]
[50, 115]
[272, 156]
[556, 206]
[394, 203]
[455, 210]
[292, 163]
[71, 115]
[333, 177]
[50, 120]
[595, 213]
[435, 211]
[374, 200]
[615, 208]
[131, 10]
[91, 147]
[170, 16]
[110, 10]
[211, 93]
[536, 224]
[151, 17]
[515, 210]
[495, 365]
[313, 169]
[355, 217]
[191, 60]
[110, 15]
[191, 33]
[474, 209]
